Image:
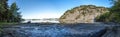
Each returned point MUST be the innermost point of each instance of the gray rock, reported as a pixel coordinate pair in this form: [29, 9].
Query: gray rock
[55, 30]
[82, 14]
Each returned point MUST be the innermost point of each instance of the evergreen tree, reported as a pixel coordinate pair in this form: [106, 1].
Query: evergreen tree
[116, 6]
[115, 11]
[16, 15]
[113, 15]
[3, 10]
[9, 14]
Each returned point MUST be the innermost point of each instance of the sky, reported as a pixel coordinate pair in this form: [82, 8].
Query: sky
[38, 9]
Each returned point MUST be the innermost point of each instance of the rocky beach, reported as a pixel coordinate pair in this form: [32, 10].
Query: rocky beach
[61, 30]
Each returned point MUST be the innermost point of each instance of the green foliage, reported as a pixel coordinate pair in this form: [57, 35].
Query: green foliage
[4, 10]
[103, 18]
[116, 11]
[116, 6]
[16, 15]
[113, 15]
[9, 14]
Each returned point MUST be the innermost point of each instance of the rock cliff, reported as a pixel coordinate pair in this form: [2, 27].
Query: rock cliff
[82, 14]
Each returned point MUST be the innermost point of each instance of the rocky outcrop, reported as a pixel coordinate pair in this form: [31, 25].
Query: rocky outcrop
[82, 14]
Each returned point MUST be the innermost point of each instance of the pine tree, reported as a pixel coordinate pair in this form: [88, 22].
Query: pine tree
[113, 15]
[9, 14]
[115, 10]
[3, 10]
[16, 15]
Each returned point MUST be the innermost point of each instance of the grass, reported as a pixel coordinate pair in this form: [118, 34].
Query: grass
[5, 24]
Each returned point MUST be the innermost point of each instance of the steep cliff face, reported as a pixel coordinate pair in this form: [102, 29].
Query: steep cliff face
[82, 14]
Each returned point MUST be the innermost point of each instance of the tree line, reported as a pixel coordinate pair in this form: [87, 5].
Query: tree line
[113, 15]
[9, 13]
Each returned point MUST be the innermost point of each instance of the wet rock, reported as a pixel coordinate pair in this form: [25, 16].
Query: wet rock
[55, 31]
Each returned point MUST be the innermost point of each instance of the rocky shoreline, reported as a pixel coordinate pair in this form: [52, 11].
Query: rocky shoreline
[60, 30]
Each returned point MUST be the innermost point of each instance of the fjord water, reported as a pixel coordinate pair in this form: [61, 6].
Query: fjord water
[54, 30]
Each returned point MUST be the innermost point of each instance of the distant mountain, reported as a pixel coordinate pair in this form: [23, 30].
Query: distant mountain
[82, 14]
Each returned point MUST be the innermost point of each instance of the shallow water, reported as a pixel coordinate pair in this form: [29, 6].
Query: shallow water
[55, 30]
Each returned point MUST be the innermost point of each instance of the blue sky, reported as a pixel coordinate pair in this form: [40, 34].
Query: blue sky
[37, 9]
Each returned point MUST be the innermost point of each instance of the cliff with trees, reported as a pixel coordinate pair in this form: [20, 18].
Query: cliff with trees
[82, 14]
[90, 13]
